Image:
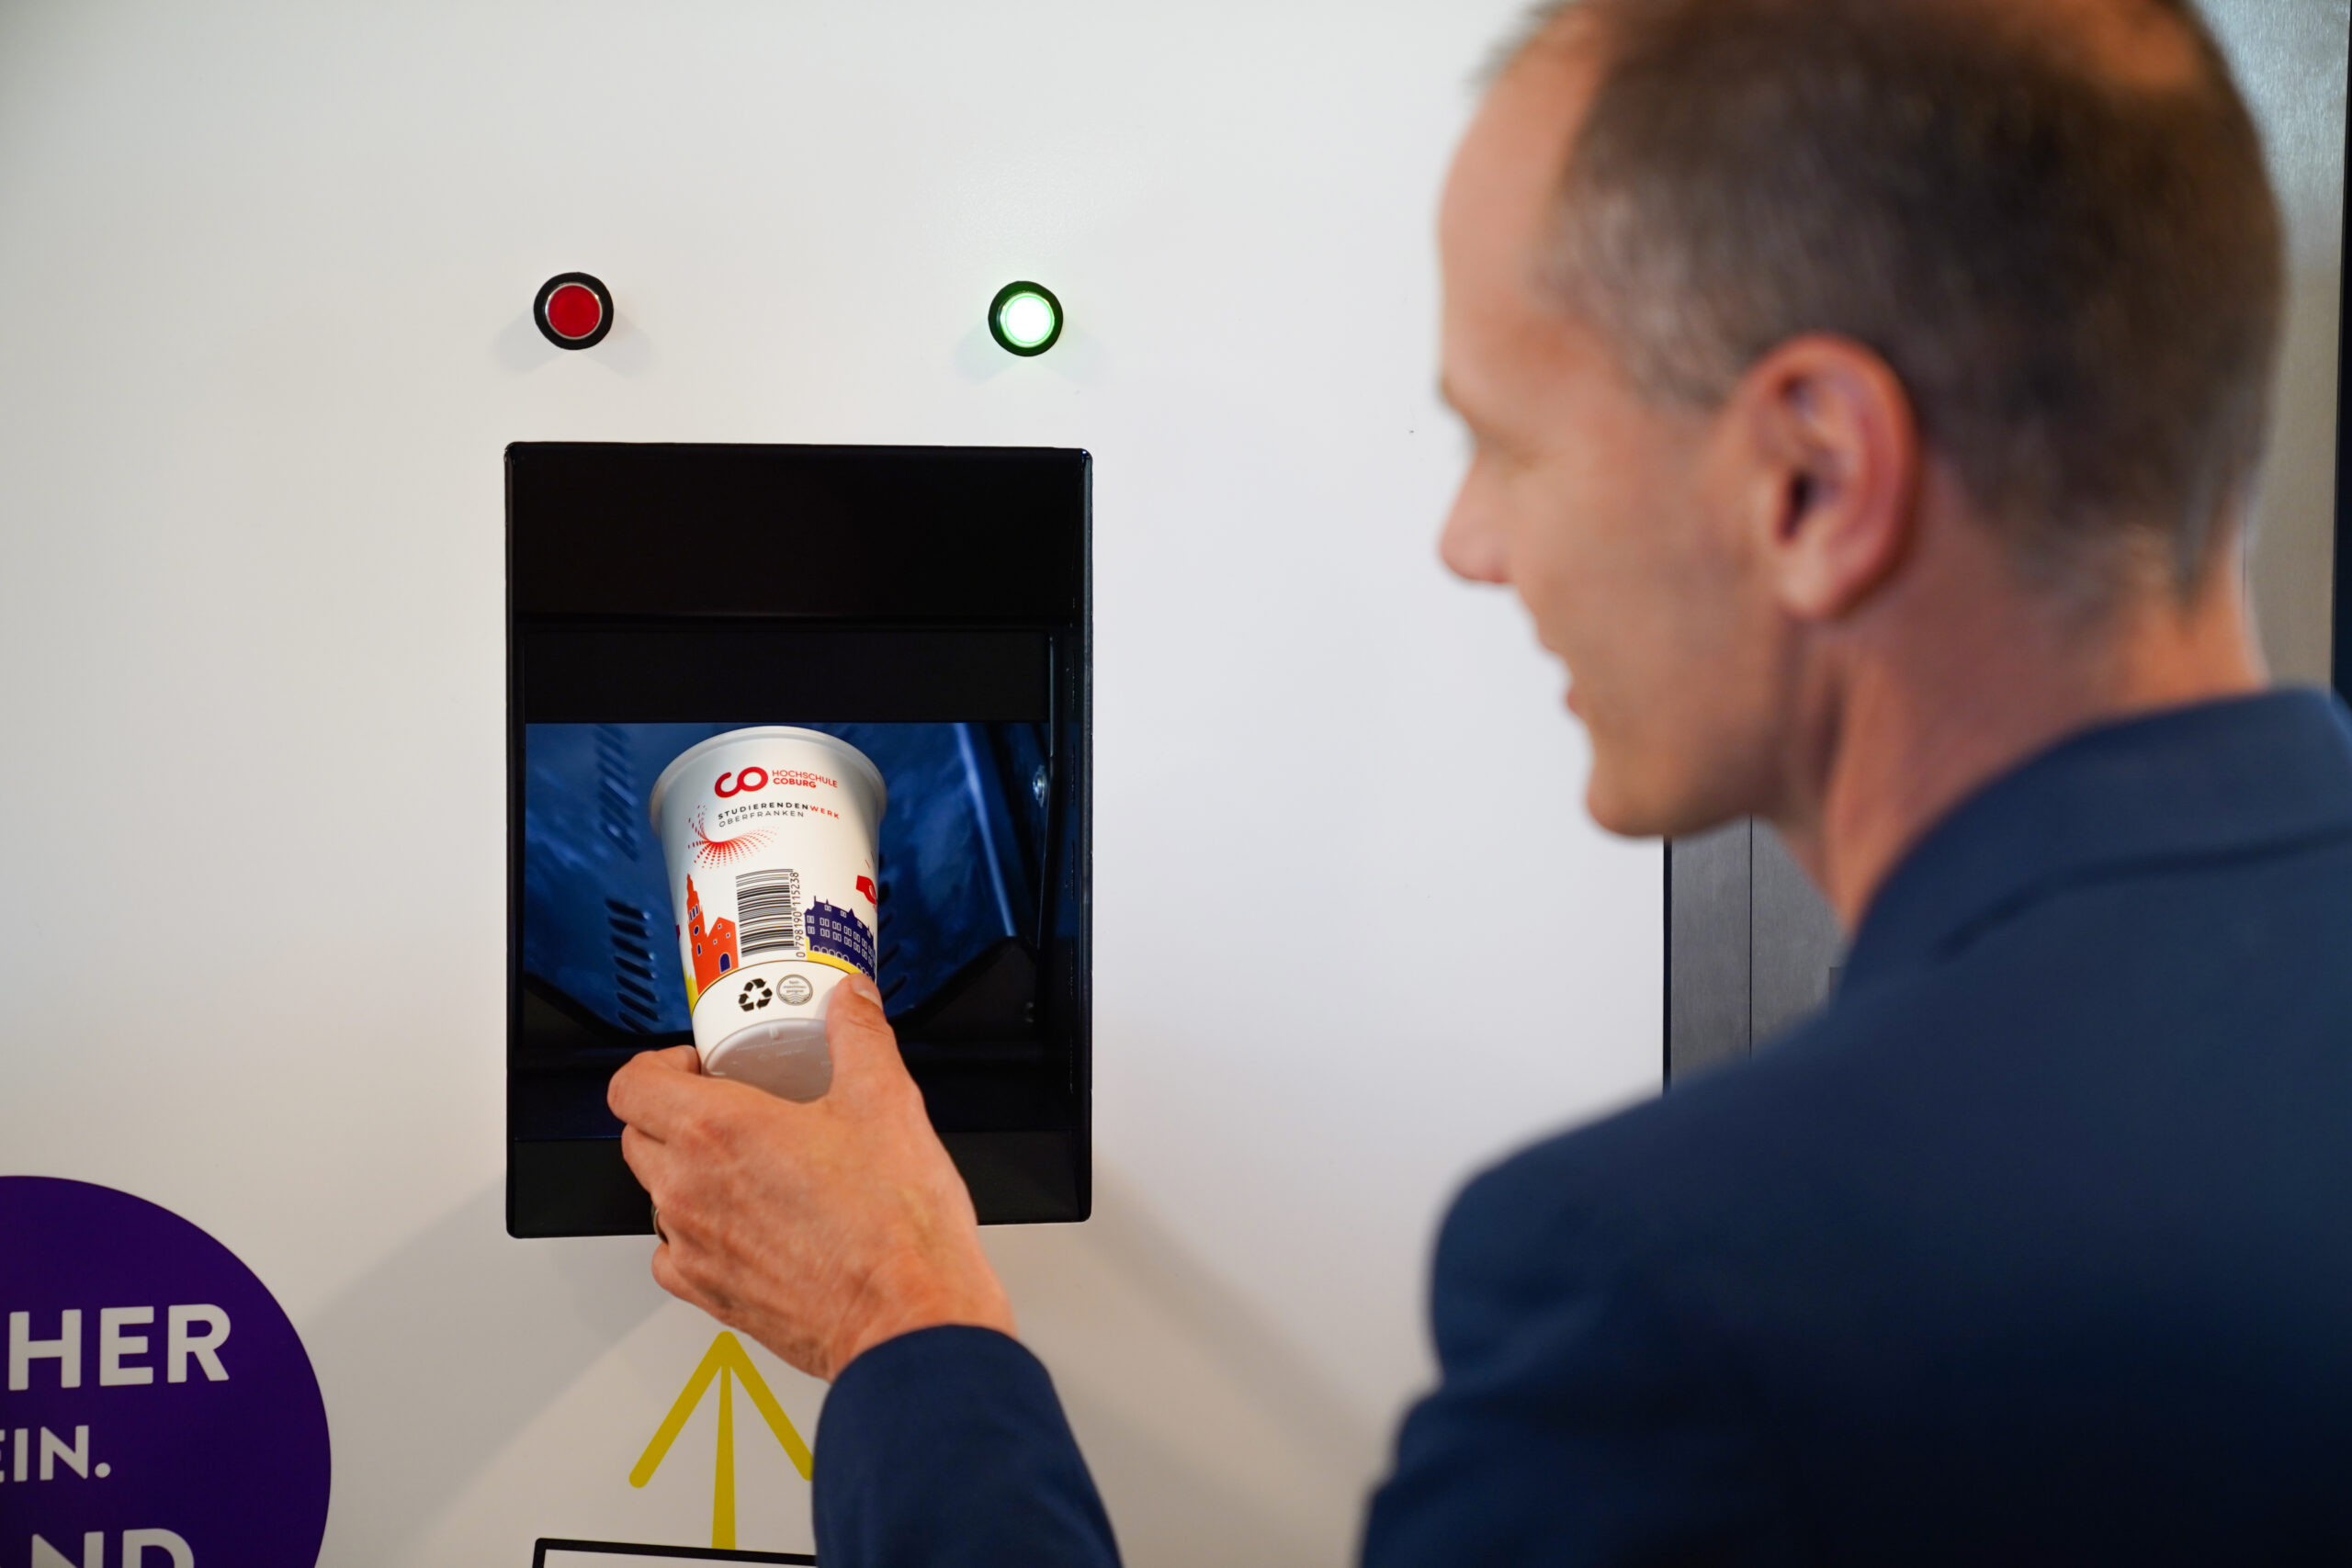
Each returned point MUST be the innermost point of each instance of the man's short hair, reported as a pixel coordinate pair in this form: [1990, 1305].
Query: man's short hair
[2052, 218]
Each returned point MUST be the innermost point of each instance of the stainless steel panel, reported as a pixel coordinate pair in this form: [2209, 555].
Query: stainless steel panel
[1707, 1000]
[1793, 940]
[1750, 946]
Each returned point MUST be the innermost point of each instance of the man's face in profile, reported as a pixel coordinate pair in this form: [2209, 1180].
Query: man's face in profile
[1615, 518]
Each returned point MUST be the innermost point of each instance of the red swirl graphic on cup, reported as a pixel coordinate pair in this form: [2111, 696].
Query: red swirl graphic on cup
[723, 851]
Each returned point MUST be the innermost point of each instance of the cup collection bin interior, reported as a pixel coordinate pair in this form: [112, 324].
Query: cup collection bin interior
[964, 842]
[928, 605]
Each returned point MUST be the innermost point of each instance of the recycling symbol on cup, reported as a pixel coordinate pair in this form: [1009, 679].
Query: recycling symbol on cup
[754, 995]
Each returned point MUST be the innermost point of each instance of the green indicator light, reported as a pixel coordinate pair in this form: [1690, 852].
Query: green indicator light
[1028, 320]
[1025, 319]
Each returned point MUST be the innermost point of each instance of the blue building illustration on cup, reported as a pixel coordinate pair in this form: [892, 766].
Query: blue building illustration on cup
[837, 935]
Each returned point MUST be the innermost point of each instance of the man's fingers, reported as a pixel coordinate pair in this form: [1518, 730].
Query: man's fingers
[649, 1084]
[667, 1274]
[648, 1161]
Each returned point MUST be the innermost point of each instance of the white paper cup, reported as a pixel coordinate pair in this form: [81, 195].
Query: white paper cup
[771, 836]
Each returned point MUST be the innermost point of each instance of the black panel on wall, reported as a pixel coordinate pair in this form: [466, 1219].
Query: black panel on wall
[940, 589]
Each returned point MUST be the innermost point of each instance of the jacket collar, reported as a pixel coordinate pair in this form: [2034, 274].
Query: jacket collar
[2184, 785]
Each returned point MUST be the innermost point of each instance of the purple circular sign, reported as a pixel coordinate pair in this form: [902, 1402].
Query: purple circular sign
[157, 1409]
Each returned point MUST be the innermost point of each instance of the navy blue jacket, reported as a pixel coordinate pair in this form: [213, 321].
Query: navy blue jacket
[2034, 1247]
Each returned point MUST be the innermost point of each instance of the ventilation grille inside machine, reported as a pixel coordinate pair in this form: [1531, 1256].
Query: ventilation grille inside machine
[632, 928]
[616, 798]
[633, 966]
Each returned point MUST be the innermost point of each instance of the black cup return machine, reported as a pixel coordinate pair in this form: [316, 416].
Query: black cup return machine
[928, 604]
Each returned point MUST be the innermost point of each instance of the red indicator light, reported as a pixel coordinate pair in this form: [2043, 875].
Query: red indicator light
[574, 310]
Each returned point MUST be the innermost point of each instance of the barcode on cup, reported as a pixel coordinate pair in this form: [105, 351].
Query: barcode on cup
[767, 914]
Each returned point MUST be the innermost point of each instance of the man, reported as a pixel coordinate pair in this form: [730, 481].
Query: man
[1865, 395]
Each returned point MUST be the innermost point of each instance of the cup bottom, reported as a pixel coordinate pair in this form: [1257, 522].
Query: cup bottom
[786, 1056]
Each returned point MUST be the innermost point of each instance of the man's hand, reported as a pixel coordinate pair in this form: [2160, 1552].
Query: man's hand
[818, 1229]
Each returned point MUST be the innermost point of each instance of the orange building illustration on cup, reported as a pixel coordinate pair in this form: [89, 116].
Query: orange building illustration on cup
[715, 952]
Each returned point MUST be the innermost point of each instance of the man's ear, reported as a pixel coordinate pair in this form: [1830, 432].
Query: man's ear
[1836, 466]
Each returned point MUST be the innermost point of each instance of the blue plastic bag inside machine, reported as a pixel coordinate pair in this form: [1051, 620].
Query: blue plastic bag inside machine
[962, 854]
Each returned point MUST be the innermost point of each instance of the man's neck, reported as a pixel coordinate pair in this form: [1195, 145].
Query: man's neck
[1937, 702]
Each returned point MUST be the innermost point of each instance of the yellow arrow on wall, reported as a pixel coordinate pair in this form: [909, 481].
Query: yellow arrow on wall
[729, 1362]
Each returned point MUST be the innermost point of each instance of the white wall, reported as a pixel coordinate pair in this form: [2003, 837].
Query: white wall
[264, 272]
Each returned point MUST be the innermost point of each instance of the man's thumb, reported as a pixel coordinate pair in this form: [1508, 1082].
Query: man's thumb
[856, 1029]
